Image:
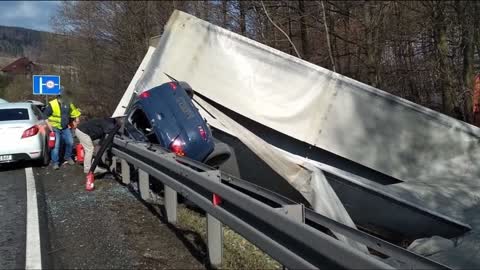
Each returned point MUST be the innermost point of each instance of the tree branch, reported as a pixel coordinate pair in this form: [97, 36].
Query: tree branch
[281, 30]
[328, 36]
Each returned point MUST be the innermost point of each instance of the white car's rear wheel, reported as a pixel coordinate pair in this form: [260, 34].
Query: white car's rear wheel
[45, 155]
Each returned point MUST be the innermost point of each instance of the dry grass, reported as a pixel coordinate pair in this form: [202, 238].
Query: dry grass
[238, 253]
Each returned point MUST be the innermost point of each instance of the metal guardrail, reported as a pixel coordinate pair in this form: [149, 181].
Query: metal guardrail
[280, 227]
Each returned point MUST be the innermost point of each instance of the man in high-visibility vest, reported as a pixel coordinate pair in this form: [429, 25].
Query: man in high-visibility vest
[61, 113]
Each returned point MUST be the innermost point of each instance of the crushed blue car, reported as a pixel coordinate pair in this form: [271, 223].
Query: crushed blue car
[165, 115]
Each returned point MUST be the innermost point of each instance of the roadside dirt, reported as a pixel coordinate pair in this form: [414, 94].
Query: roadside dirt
[108, 228]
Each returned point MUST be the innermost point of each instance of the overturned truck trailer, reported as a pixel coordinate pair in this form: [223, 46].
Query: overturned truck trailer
[395, 165]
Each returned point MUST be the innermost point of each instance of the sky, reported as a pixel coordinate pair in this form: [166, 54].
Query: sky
[28, 14]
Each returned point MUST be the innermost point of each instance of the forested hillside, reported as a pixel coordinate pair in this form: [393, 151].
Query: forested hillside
[17, 42]
[38, 46]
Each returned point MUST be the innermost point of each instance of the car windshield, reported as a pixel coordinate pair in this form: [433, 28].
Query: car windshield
[140, 121]
[13, 114]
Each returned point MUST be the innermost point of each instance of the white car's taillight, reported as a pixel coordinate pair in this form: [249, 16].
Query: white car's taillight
[30, 132]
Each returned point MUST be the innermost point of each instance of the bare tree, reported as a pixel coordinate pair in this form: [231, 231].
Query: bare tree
[280, 29]
[425, 51]
[303, 29]
[327, 34]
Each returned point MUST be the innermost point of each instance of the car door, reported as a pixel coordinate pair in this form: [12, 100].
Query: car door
[138, 126]
[41, 123]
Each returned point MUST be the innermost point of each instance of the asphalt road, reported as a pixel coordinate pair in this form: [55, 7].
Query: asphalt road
[109, 228]
[12, 218]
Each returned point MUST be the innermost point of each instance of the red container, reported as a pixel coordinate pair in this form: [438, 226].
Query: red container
[217, 200]
[90, 183]
[51, 140]
[80, 152]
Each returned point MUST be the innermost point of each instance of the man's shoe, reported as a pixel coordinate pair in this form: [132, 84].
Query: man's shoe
[100, 170]
[56, 167]
[71, 162]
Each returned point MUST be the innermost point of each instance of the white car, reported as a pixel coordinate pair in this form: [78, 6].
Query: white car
[23, 133]
[38, 104]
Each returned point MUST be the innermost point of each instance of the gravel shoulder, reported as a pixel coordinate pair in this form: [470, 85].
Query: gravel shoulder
[108, 228]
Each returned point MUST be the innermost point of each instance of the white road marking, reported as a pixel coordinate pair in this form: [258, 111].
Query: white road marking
[33, 258]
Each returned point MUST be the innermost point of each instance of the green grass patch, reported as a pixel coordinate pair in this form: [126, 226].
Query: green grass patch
[238, 253]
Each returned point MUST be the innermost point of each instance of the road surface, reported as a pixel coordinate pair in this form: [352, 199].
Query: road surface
[108, 228]
[12, 218]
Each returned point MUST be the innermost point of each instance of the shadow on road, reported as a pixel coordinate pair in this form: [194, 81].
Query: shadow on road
[19, 165]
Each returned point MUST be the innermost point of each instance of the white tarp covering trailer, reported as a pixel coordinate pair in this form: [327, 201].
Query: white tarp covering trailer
[387, 145]
[314, 105]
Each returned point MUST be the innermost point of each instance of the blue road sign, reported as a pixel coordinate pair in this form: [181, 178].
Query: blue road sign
[46, 85]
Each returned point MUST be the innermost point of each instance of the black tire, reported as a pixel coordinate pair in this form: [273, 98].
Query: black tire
[224, 159]
[220, 154]
[45, 155]
[217, 161]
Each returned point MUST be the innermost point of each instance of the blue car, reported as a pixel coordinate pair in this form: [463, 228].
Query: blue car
[166, 115]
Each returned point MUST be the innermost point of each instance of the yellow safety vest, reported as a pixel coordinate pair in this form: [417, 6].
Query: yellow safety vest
[74, 112]
[56, 118]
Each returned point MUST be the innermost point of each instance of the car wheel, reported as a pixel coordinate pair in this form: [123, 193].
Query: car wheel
[45, 155]
[224, 158]
[218, 160]
[221, 153]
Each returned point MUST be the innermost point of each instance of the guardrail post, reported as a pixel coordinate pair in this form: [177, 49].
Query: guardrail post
[171, 204]
[214, 230]
[215, 240]
[294, 211]
[125, 172]
[144, 185]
